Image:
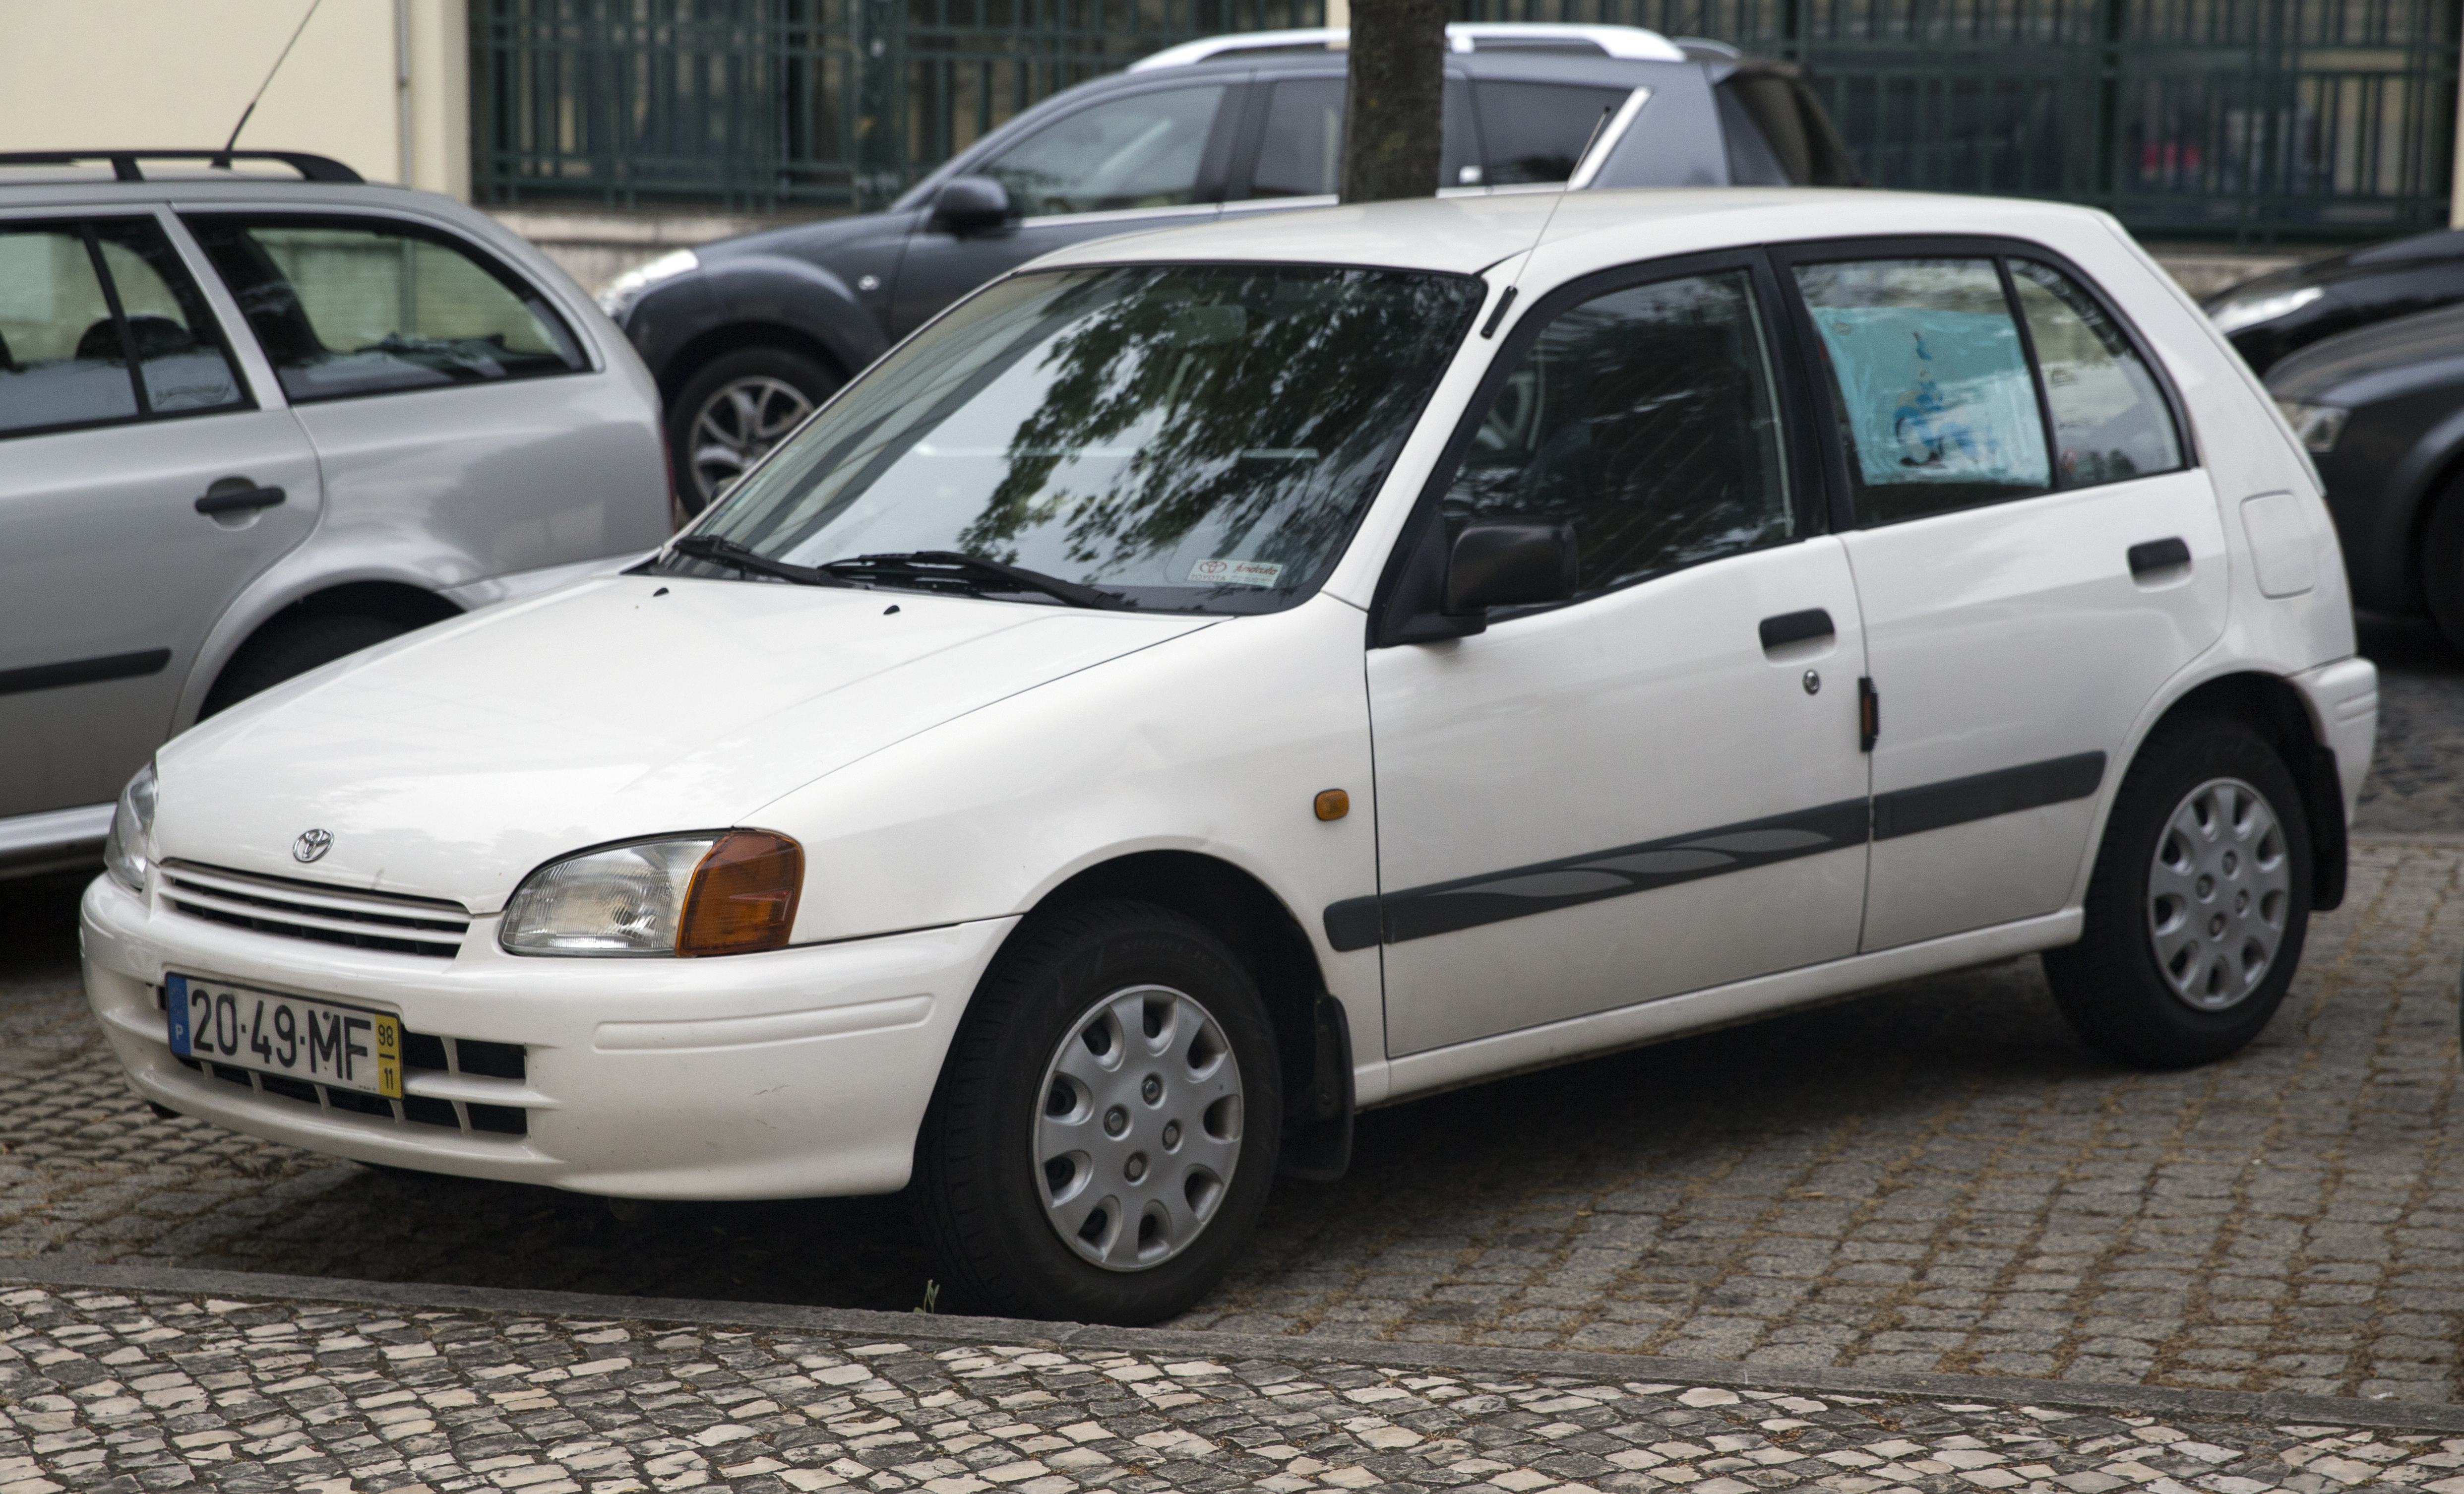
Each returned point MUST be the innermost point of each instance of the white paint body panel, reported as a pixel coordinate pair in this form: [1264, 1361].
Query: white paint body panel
[947, 767]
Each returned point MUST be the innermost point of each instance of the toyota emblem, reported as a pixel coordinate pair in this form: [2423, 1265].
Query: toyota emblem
[311, 844]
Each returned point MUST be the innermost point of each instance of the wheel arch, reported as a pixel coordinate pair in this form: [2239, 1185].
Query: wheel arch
[2271, 707]
[394, 601]
[718, 341]
[1313, 1039]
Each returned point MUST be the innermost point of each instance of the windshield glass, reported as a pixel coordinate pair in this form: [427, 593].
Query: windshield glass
[1179, 436]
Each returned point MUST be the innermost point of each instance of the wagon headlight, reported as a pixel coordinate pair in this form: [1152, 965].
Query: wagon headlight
[725, 893]
[132, 831]
[2318, 426]
[2249, 311]
[618, 295]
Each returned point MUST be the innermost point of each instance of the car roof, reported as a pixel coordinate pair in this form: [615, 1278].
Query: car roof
[1467, 234]
[1461, 36]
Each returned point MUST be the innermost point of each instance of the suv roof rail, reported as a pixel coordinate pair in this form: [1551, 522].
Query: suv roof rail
[1613, 41]
[125, 168]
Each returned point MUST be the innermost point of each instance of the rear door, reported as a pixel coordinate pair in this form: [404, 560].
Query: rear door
[1119, 164]
[142, 487]
[2034, 552]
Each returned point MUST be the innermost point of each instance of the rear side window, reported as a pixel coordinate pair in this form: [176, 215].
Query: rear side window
[1300, 143]
[99, 323]
[2110, 420]
[346, 307]
[1535, 132]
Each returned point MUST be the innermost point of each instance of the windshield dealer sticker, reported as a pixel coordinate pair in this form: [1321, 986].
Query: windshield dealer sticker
[1234, 573]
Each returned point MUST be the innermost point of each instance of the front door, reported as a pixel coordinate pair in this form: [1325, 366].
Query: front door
[2035, 558]
[1658, 786]
[140, 490]
[1123, 164]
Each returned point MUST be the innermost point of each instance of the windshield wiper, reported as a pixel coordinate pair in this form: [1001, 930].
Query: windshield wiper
[950, 565]
[727, 552]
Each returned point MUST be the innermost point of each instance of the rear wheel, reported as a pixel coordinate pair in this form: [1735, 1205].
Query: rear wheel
[2198, 904]
[294, 647]
[732, 410]
[1105, 1132]
[2442, 563]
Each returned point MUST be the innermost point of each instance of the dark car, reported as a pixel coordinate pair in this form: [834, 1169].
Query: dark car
[2273, 314]
[2381, 411]
[745, 336]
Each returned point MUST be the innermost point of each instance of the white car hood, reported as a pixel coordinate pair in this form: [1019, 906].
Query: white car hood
[451, 762]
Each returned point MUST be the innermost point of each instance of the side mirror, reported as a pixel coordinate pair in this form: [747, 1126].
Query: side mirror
[969, 205]
[1509, 562]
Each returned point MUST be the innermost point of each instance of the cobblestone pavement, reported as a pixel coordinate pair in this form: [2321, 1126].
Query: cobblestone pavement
[2416, 779]
[1932, 1178]
[109, 1391]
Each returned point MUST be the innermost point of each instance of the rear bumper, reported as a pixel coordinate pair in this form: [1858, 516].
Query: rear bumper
[799, 1073]
[2342, 699]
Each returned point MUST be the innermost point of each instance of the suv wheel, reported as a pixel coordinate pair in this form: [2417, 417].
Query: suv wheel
[1101, 1140]
[2442, 563]
[2198, 904]
[732, 410]
[286, 649]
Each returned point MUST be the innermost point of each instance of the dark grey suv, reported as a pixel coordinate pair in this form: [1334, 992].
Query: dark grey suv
[746, 335]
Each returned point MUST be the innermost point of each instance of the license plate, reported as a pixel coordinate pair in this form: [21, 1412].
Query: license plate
[317, 1042]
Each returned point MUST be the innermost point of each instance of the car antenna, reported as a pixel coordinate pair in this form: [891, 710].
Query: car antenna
[223, 161]
[1489, 329]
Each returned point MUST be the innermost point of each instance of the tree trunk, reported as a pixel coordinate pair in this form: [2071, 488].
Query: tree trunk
[1394, 112]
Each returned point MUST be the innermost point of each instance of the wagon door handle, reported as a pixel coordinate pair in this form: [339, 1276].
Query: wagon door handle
[1796, 627]
[238, 500]
[2158, 555]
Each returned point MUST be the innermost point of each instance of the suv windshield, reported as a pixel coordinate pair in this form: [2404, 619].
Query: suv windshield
[1164, 436]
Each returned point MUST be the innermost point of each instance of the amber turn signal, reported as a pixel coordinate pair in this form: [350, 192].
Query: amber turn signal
[1333, 804]
[743, 896]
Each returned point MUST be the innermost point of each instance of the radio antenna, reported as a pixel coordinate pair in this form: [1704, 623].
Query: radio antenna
[222, 161]
[1489, 329]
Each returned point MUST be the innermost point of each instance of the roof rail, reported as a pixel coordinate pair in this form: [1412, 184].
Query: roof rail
[1614, 41]
[125, 168]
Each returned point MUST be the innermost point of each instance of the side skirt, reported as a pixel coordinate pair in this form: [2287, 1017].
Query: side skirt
[1418, 1074]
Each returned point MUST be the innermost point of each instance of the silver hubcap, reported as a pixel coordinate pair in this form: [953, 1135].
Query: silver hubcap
[1141, 1128]
[736, 424]
[2218, 894]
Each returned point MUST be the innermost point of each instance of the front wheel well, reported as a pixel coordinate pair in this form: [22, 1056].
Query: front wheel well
[2273, 708]
[687, 359]
[1237, 907]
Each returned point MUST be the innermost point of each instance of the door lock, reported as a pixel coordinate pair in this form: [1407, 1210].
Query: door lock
[1812, 683]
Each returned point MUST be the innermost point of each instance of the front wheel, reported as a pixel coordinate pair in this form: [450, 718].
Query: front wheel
[1105, 1132]
[2198, 904]
[732, 410]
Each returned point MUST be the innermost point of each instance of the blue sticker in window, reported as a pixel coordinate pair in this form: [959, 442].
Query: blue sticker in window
[1935, 396]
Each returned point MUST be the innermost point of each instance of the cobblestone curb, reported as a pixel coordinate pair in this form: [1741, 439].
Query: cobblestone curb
[121, 1390]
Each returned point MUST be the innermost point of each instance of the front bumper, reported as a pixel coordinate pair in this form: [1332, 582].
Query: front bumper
[799, 1073]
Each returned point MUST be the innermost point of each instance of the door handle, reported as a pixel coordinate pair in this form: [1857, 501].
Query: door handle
[2158, 555]
[239, 500]
[1796, 627]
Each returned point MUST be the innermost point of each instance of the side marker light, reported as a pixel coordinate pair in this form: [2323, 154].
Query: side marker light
[1333, 804]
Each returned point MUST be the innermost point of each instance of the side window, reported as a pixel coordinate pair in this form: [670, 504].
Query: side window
[2110, 420]
[1142, 151]
[1937, 409]
[347, 307]
[1301, 153]
[66, 346]
[1645, 417]
[1534, 132]
[179, 349]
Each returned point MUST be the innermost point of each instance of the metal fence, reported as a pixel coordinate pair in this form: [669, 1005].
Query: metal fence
[2250, 119]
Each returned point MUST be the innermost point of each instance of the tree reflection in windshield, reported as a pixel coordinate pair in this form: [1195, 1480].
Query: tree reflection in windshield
[1195, 436]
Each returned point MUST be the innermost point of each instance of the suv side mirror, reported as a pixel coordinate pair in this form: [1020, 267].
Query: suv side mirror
[969, 205]
[1509, 562]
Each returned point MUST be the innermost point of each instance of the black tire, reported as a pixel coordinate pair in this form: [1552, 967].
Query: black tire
[2442, 563]
[291, 648]
[2112, 984]
[699, 472]
[979, 1196]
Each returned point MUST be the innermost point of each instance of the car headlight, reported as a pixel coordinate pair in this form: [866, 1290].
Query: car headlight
[2316, 425]
[724, 892]
[2250, 311]
[618, 295]
[132, 832]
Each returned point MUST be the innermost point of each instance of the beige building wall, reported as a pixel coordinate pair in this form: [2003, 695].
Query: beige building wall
[381, 85]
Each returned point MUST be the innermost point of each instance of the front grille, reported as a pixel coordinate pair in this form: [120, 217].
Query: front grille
[309, 911]
[420, 1051]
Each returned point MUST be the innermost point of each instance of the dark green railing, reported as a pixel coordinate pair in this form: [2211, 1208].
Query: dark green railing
[2250, 119]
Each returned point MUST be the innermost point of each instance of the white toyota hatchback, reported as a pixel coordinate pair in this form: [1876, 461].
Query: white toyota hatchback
[1208, 683]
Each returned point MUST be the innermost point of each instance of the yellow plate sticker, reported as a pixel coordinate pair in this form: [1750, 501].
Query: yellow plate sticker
[390, 1058]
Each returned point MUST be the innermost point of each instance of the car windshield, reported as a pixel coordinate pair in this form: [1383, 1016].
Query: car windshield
[1193, 437]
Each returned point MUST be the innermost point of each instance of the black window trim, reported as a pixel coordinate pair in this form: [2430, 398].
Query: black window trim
[1392, 614]
[81, 227]
[525, 289]
[1999, 250]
